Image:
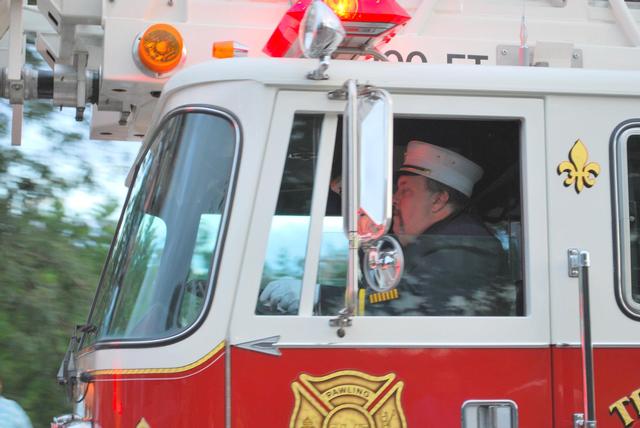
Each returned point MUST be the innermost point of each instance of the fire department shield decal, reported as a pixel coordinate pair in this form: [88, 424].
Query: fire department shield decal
[347, 399]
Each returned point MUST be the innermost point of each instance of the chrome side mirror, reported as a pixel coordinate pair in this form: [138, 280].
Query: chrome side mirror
[367, 162]
[383, 264]
[367, 185]
[321, 32]
[375, 132]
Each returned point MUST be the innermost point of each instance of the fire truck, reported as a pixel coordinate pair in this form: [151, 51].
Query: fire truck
[254, 115]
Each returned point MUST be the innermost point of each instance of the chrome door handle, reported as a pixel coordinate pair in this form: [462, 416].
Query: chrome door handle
[489, 414]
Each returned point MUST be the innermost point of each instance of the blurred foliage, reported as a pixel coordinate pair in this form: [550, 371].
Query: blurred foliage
[49, 267]
[50, 260]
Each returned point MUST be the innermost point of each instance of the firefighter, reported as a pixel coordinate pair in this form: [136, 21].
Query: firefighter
[433, 184]
[454, 265]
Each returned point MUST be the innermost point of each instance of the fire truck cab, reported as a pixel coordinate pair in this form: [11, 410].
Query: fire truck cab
[223, 297]
[256, 155]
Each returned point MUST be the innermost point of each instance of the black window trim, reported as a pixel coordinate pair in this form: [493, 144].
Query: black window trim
[630, 309]
[137, 343]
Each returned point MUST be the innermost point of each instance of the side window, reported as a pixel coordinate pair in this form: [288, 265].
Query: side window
[457, 214]
[283, 269]
[628, 179]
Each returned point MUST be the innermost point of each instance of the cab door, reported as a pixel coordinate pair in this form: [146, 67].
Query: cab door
[599, 217]
[289, 367]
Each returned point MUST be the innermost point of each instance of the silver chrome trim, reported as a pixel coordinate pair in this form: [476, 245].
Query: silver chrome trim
[489, 403]
[351, 197]
[414, 345]
[588, 387]
[267, 345]
[598, 345]
[216, 111]
[573, 255]
[335, 345]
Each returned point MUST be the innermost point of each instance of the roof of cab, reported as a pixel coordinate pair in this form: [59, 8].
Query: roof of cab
[414, 78]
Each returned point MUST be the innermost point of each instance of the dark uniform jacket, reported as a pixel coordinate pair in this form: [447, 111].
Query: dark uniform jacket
[455, 268]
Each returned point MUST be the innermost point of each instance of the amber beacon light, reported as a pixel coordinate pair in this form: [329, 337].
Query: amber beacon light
[160, 48]
[228, 49]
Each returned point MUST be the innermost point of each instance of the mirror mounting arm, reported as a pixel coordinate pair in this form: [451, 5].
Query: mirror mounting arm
[343, 320]
[319, 73]
[321, 32]
[351, 198]
[340, 94]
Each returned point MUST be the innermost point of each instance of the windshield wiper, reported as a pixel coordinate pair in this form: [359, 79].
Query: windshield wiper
[67, 373]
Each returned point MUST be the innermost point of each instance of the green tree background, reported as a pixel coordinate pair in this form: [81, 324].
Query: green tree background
[50, 257]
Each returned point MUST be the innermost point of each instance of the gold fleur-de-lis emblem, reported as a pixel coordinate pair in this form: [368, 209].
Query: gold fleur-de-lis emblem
[579, 172]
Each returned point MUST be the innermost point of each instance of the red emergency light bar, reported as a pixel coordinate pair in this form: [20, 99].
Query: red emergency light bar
[361, 19]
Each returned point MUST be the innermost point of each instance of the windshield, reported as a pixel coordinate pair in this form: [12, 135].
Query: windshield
[160, 270]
